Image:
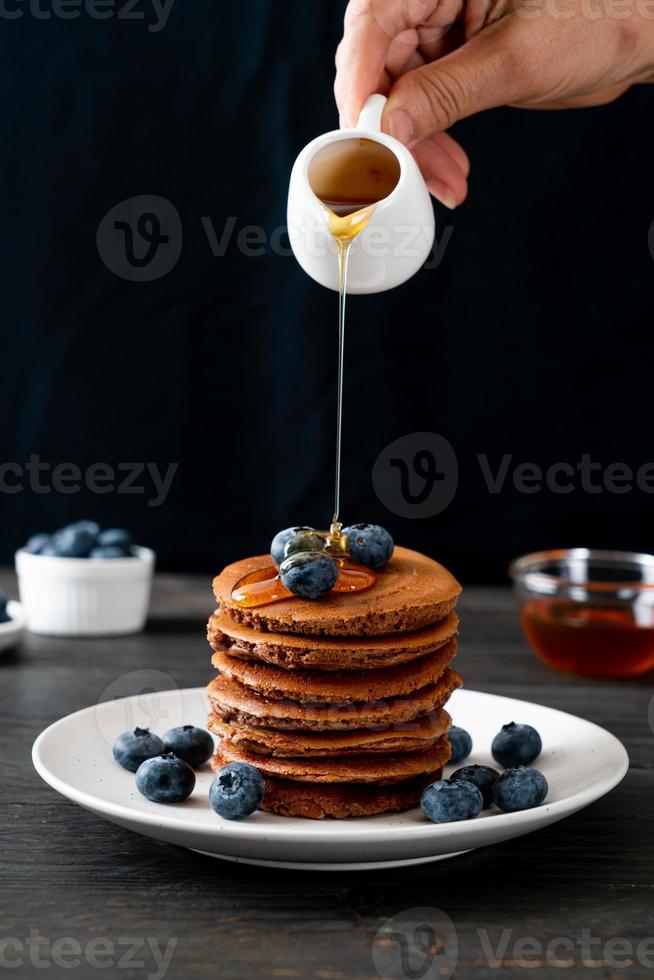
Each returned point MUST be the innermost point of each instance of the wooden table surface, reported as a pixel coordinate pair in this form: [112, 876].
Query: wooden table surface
[71, 878]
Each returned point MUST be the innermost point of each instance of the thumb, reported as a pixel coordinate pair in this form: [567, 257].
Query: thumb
[481, 74]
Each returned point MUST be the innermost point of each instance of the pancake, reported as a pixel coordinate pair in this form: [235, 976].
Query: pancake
[237, 704]
[327, 687]
[291, 651]
[391, 767]
[411, 592]
[409, 737]
[316, 801]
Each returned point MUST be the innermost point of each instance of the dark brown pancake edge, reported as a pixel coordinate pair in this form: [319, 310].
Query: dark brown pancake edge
[332, 718]
[348, 653]
[294, 744]
[379, 624]
[326, 687]
[383, 769]
[338, 801]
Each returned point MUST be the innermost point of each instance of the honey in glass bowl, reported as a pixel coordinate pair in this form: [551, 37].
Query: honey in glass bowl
[588, 612]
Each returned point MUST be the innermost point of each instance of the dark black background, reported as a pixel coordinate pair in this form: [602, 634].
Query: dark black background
[533, 337]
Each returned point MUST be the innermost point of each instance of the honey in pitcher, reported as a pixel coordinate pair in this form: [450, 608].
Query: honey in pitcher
[350, 177]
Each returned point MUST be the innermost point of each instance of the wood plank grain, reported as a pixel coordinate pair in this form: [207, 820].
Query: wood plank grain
[67, 874]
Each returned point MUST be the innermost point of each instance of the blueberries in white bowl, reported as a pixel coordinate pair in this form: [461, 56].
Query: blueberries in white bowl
[115, 537]
[75, 540]
[516, 745]
[37, 543]
[132, 748]
[165, 779]
[237, 791]
[107, 551]
[83, 539]
[193, 745]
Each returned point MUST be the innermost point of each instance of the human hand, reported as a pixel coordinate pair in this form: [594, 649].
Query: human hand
[442, 60]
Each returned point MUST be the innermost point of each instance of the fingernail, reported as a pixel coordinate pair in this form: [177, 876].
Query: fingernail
[400, 125]
[448, 199]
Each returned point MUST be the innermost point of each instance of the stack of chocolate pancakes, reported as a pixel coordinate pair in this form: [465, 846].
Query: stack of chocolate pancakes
[338, 702]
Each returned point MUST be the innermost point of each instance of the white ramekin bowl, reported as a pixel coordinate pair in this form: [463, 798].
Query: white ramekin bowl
[85, 596]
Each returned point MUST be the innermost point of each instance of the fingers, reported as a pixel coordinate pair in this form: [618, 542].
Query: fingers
[480, 75]
[445, 167]
[370, 27]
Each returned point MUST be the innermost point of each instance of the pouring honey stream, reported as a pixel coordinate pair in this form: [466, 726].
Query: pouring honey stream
[350, 177]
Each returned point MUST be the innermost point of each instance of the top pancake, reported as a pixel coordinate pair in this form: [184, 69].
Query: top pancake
[290, 651]
[411, 592]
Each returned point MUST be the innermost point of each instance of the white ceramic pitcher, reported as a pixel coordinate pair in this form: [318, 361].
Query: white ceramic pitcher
[397, 240]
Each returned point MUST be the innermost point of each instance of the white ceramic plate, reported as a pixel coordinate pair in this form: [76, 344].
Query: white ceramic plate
[580, 760]
[11, 632]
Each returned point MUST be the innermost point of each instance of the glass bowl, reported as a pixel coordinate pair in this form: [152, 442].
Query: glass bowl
[588, 612]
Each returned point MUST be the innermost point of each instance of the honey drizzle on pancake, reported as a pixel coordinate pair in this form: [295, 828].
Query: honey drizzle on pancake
[350, 178]
[264, 586]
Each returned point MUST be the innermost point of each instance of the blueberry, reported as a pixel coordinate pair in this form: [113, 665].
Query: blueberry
[280, 541]
[308, 575]
[165, 779]
[369, 544]
[516, 745]
[76, 540]
[304, 541]
[115, 537]
[132, 748]
[109, 551]
[446, 801]
[482, 776]
[461, 744]
[189, 743]
[37, 543]
[237, 791]
[520, 788]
